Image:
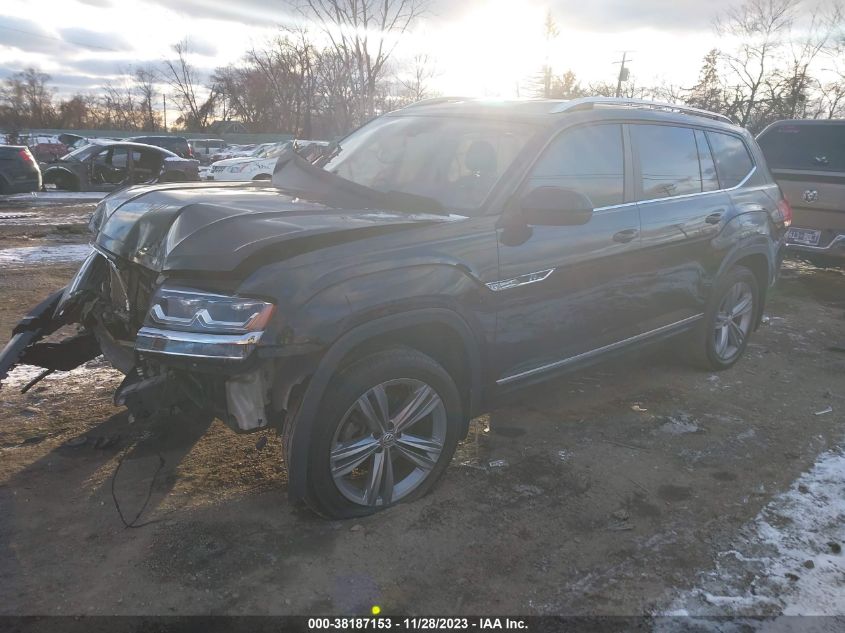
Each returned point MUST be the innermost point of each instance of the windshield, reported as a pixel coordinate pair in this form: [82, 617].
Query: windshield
[261, 150]
[83, 152]
[274, 151]
[455, 161]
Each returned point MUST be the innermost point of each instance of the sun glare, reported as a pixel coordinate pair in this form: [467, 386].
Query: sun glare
[490, 48]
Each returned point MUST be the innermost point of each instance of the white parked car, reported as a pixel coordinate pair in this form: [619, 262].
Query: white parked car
[257, 166]
[260, 164]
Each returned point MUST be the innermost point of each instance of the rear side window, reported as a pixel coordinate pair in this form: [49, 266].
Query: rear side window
[709, 179]
[804, 147]
[589, 160]
[668, 158]
[732, 159]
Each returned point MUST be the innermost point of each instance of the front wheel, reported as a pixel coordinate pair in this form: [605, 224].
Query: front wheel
[386, 432]
[728, 321]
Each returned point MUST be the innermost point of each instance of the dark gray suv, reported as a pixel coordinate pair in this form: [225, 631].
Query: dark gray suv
[371, 303]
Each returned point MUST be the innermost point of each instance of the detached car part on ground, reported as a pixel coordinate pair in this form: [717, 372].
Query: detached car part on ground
[371, 304]
[807, 159]
[106, 166]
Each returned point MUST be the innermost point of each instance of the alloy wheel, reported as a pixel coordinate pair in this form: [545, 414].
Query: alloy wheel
[733, 320]
[388, 442]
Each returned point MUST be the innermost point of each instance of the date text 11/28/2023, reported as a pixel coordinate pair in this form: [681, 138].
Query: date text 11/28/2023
[416, 624]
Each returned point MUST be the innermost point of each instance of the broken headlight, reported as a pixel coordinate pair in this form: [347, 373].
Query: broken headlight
[196, 311]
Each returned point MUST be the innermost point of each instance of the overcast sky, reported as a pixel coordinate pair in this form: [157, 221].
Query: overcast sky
[484, 48]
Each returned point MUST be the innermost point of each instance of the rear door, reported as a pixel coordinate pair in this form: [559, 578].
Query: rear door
[567, 291]
[682, 209]
[808, 162]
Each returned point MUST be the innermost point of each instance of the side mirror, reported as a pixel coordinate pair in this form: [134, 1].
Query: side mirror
[556, 206]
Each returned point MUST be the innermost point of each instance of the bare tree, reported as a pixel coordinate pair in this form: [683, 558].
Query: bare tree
[363, 35]
[145, 85]
[27, 100]
[760, 27]
[550, 32]
[184, 80]
[416, 84]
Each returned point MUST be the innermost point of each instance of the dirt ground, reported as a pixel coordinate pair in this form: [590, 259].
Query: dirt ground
[611, 491]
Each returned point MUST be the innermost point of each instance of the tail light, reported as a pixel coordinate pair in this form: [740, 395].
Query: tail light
[25, 156]
[785, 211]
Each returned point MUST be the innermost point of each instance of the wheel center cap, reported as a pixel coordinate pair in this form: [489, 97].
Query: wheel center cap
[388, 439]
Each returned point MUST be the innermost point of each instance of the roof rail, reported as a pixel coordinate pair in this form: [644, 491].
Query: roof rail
[435, 101]
[587, 103]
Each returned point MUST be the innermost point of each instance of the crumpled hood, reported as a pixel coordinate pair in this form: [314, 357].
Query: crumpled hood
[216, 227]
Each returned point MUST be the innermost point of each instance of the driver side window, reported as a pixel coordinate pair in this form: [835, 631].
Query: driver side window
[589, 160]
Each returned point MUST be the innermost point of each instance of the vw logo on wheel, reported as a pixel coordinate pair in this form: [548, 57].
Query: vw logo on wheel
[810, 195]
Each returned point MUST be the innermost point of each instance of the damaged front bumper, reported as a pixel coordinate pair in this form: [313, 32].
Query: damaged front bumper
[24, 346]
[218, 373]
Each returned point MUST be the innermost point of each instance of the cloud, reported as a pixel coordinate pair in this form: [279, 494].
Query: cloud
[251, 12]
[623, 15]
[28, 36]
[87, 38]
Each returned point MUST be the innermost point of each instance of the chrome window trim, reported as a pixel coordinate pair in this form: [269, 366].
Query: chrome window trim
[682, 196]
[595, 352]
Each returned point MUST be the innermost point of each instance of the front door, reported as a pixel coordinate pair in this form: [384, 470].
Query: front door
[564, 290]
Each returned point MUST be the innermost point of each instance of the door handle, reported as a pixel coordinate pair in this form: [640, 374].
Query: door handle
[714, 218]
[623, 237]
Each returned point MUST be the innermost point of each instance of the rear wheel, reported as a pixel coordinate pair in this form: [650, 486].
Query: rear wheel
[386, 432]
[263, 177]
[731, 313]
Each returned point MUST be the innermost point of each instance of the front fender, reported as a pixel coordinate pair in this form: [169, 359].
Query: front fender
[303, 421]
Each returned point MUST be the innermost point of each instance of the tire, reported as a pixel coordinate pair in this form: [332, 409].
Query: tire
[66, 182]
[716, 344]
[263, 177]
[337, 487]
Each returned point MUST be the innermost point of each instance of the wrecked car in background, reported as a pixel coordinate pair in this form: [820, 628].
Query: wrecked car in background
[105, 166]
[370, 304]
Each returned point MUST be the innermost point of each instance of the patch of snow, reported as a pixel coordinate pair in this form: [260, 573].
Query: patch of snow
[25, 256]
[55, 196]
[788, 560]
[680, 423]
[84, 377]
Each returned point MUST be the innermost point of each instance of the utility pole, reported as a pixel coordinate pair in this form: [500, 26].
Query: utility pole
[164, 98]
[623, 73]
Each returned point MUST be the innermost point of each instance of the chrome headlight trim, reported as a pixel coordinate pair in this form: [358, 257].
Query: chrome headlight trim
[195, 345]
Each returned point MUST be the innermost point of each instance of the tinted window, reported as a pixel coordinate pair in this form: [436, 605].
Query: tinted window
[709, 179]
[805, 147]
[732, 160]
[668, 160]
[589, 160]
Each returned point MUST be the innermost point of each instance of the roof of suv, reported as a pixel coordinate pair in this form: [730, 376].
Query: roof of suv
[544, 109]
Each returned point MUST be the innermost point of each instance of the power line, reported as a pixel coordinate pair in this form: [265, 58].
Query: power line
[59, 39]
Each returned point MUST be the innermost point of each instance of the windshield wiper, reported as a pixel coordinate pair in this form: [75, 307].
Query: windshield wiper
[295, 174]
